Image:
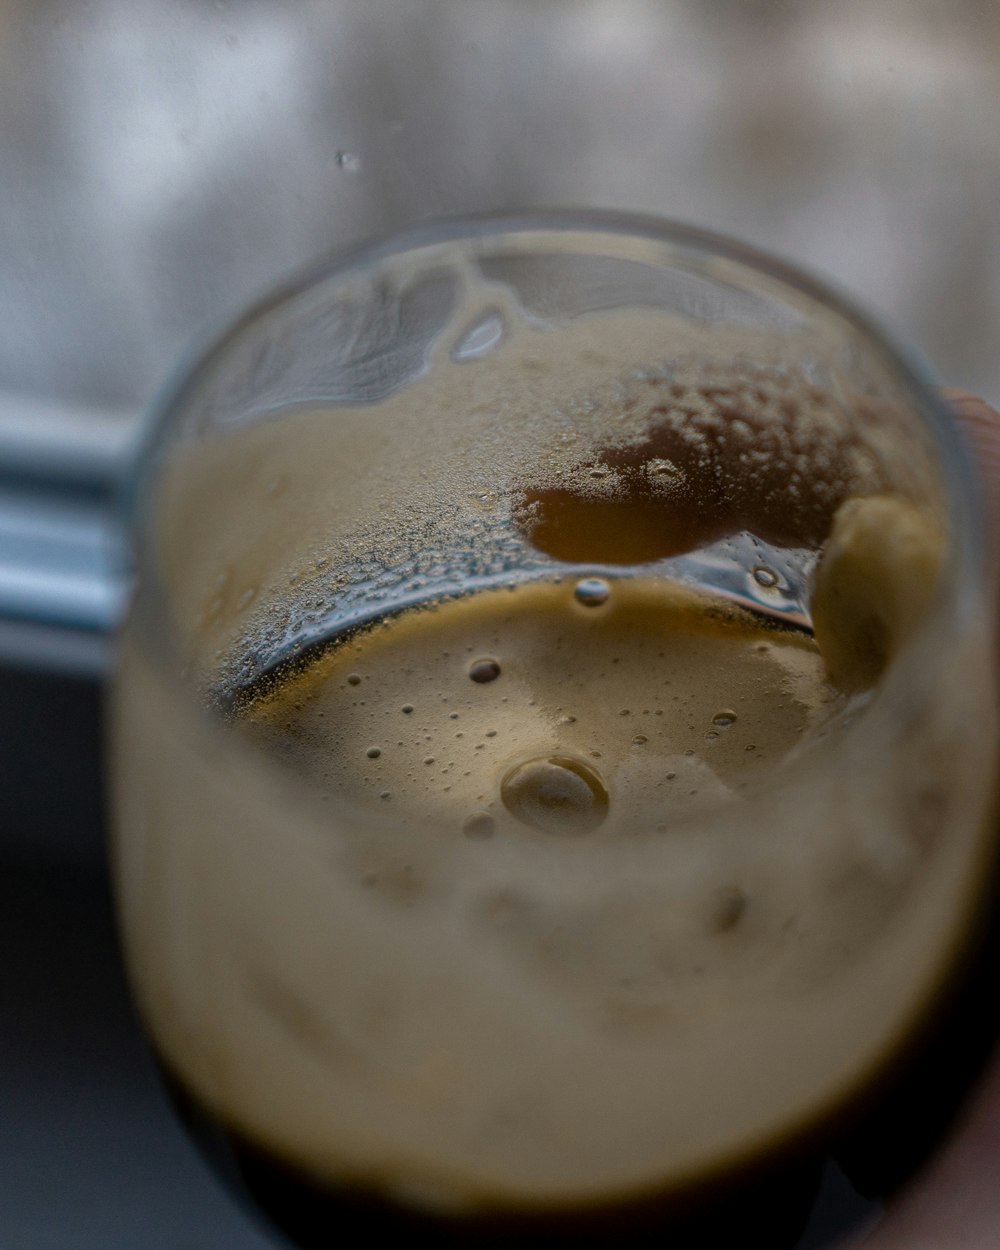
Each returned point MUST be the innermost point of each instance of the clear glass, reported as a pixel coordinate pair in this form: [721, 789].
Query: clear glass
[536, 729]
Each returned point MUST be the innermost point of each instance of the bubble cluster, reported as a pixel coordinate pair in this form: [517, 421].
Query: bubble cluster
[475, 718]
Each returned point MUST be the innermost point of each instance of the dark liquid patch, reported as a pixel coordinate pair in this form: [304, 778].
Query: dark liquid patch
[714, 461]
[771, 1196]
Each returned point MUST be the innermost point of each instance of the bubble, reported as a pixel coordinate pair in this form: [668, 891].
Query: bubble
[556, 793]
[485, 500]
[429, 759]
[386, 794]
[724, 719]
[484, 670]
[592, 591]
[479, 825]
[482, 337]
[750, 747]
[711, 736]
[765, 576]
[639, 739]
[353, 679]
[660, 467]
[374, 752]
[567, 720]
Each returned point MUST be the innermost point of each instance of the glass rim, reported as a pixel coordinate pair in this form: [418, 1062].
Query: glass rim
[960, 478]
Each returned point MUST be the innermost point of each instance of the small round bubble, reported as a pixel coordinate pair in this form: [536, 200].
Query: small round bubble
[479, 825]
[765, 576]
[592, 591]
[484, 669]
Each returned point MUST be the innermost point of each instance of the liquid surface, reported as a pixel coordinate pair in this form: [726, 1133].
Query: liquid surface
[586, 705]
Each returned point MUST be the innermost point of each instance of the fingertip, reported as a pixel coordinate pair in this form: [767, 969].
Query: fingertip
[980, 423]
[981, 420]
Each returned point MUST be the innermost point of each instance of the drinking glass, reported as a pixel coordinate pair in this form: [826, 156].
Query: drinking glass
[553, 741]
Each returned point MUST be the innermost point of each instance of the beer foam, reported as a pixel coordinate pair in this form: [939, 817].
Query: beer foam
[342, 511]
[874, 585]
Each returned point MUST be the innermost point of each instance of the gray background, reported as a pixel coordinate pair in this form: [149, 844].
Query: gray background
[163, 160]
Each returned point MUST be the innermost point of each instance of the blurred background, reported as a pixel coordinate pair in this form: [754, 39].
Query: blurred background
[162, 162]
